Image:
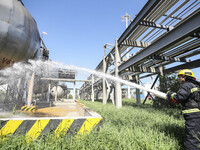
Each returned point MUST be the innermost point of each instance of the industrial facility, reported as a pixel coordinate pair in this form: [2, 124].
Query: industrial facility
[163, 37]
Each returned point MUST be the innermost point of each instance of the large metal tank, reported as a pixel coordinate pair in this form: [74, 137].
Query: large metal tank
[59, 89]
[19, 36]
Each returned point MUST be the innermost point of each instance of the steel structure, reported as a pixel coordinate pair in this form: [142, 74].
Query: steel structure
[162, 38]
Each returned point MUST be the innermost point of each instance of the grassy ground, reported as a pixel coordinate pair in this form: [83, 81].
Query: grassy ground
[133, 127]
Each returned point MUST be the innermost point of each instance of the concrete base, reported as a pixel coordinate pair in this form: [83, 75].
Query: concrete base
[67, 117]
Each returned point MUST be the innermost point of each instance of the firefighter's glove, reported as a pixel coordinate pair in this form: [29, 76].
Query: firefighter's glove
[170, 95]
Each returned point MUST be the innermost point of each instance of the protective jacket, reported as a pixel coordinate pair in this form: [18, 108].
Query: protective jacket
[189, 96]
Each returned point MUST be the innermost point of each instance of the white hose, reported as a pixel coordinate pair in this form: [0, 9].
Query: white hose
[157, 93]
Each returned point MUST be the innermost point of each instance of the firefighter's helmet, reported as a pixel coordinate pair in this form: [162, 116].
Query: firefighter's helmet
[186, 72]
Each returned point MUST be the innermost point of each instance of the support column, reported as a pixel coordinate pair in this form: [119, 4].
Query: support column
[104, 82]
[112, 95]
[92, 88]
[7, 95]
[108, 91]
[30, 89]
[129, 92]
[74, 92]
[24, 96]
[163, 85]
[97, 95]
[80, 95]
[66, 95]
[138, 100]
[49, 91]
[18, 89]
[56, 94]
[84, 95]
[118, 92]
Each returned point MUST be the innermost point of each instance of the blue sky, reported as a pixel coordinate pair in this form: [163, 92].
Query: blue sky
[78, 29]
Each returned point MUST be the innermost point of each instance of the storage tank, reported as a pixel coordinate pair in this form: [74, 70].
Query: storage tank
[60, 91]
[19, 36]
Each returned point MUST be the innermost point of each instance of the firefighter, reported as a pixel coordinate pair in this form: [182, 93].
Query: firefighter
[189, 97]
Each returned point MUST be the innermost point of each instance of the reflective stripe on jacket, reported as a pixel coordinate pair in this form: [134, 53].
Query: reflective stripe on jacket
[190, 111]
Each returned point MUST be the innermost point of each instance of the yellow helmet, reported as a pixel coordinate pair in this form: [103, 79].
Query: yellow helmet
[186, 72]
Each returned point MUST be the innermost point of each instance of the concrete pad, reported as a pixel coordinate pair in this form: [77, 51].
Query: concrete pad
[62, 118]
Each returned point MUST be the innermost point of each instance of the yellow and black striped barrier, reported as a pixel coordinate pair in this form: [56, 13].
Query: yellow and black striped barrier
[33, 128]
[29, 108]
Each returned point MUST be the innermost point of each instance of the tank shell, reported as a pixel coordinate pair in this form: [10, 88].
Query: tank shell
[19, 36]
[60, 91]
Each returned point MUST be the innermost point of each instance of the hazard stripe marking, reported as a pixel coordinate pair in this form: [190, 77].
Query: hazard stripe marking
[63, 127]
[51, 126]
[29, 108]
[25, 126]
[88, 125]
[10, 127]
[23, 108]
[2, 123]
[75, 127]
[32, 108]
[36, 129]
[26, 108]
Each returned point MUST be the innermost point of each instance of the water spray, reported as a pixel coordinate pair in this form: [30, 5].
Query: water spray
[49, 66]
[113, 78]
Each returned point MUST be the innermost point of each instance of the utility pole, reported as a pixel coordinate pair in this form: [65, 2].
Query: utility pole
[128, 19]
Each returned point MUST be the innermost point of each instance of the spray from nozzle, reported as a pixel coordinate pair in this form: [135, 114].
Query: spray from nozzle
[113, 78]
[47, 69]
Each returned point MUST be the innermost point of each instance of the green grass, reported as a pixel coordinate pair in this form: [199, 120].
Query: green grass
[133, 127]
